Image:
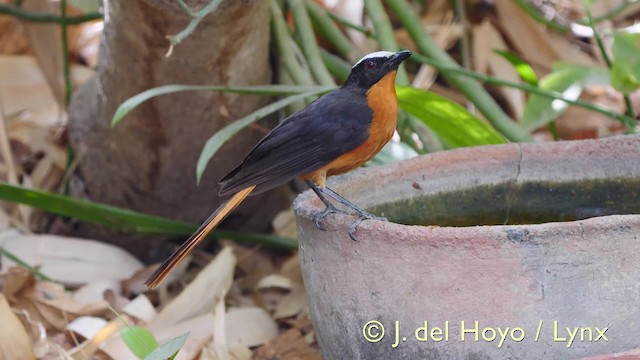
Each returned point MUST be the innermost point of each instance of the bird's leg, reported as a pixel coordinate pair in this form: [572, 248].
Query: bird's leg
[337, 197]
[330, 208]
[363, 215]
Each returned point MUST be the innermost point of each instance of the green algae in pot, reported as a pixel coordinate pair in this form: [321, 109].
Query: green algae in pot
[525, 251]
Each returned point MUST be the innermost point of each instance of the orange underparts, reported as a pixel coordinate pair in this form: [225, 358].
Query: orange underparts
[383, 101]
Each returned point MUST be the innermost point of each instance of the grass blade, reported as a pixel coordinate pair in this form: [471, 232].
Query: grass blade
[268, 90]
[20, 262]
[124, 219]
[308, 42]
[218, 139]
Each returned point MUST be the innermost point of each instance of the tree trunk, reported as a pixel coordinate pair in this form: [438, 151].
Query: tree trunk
[147, 163]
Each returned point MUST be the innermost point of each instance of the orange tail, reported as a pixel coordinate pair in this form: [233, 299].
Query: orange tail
[216, 217]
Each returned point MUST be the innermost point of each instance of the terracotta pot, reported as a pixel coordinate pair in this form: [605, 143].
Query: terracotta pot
[557, 249]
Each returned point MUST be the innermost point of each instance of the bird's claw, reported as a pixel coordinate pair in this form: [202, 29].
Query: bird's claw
[364, 216]
[320, 217]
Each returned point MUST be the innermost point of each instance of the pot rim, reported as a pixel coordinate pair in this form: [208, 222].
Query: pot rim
[593, 156]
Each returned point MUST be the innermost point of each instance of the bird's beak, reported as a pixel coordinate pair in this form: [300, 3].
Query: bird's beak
[398, 58]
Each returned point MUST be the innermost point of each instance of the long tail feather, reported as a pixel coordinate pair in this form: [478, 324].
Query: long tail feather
[216, 217]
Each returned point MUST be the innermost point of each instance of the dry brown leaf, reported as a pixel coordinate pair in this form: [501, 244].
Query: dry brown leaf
[534, 41]
[446, 36]
[271, 290]
[88, 42]
[16, 280]
[274, 281]
[94, 291]
[46, 43]
[303, 324]
[293, 303]
[140, 308]
[80, 74]
[71, 260]
[14, 340]
[579, 123]
[46, 303]
[13, 39]
[199, 297]
[240, 352]
[251, 326]
[135, 283]
[252, 266]
[24, 91]
[5, 149]
[486, 40]
[284, 224]
[217, 348]
[296, 301]
[607, 7]
[46, 175]
[87, 349]
[290, 345]
[87, 326]
[4, 220]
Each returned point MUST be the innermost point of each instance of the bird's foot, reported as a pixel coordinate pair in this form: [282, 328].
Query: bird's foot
[362, 216]
[317, 220]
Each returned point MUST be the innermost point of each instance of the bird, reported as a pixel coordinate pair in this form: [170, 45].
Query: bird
[334, 134]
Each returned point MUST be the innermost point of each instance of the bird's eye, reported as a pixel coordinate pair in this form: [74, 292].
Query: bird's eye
[370, 65]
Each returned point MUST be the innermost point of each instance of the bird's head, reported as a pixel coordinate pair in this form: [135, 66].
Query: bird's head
[375, 66]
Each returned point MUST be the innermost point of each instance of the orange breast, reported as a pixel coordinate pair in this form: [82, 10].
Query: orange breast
[383, 101]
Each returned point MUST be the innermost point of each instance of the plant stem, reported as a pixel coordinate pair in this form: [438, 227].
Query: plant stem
[65, 53]
[336, 65]
[45, 17]
[186, 8]
[330, 31]
[196, 18]
[286, 53]
[464, 42]
[535, 15]
[384, 33]
[309, 44]
[522, 86]
[607, 60]
[364, 30]
[470, 88]
[615, 11]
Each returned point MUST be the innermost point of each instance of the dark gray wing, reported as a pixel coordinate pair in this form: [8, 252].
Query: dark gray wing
[306, 141]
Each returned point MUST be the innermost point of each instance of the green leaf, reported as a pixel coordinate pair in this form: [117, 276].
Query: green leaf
[568, 80]
[625, 69]
[169, 349]
[625, 76]
[140, 341]
[522, 67]
[268, 90]
[454, 125]
[625, 46]
[218, 139]
[87, 6]
[124, 219]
